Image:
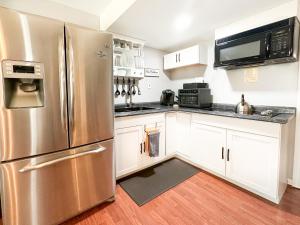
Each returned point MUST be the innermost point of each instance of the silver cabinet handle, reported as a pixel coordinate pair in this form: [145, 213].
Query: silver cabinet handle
[62, 81]
[176, 58]
[49, 163]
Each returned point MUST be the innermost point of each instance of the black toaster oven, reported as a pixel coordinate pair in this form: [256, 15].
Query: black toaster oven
[195, 98]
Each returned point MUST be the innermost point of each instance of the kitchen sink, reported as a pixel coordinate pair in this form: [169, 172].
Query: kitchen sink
[131, 109]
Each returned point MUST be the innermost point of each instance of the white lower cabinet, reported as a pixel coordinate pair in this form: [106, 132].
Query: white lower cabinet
[129, 145]
[183, 134]
[249, 160]
[252, 160]
[208, 145]
[171, 133]
[251, 154]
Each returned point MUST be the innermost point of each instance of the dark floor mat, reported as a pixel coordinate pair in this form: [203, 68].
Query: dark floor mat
[145, 185]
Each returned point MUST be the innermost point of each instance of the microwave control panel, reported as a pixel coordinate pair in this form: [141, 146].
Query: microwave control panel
[280, 43]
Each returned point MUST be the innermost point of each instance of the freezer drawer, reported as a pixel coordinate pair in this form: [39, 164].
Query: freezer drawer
[50, 189]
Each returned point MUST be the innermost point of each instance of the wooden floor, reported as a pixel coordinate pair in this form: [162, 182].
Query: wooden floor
[202, 199]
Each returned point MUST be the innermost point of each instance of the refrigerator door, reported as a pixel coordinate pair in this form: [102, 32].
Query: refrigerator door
[89, 75]
[37, 130]
[50, 189]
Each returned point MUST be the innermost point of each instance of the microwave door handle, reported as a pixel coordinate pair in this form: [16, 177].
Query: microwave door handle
[62, 81]
[54, 161]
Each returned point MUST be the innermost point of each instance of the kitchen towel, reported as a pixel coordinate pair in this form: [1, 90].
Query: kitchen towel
[153, 143]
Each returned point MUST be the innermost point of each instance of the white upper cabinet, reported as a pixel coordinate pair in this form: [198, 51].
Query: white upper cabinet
[186, 57]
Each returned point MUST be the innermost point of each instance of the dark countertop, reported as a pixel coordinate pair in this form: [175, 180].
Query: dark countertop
[281, 115]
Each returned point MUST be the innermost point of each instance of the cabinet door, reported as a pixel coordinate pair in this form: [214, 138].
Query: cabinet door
[183, 133]
[128, 144]
[171, 133]
[208, 145]
[170, 61]
[252, 161]
[189, 56]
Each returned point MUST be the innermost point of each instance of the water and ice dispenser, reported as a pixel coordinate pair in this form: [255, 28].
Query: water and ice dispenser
[23, 84]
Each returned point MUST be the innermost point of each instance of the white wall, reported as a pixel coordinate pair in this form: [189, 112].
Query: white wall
[283, 11]
[296, 171]
[276, 85]
[153, 59]
[54, 10]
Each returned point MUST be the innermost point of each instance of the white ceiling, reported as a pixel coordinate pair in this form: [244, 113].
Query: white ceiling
[161, 23]
[95, 7]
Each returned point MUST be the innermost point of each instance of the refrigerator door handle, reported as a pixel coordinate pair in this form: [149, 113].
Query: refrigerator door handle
[62, 81]
[70, 69]
[51, 162]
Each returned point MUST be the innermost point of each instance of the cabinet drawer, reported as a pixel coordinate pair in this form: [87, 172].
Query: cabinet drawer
[140, 120]
[249, 126]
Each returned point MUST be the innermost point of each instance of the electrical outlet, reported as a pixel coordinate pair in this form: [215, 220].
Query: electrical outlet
[149, 86]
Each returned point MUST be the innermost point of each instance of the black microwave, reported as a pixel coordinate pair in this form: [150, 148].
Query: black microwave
[269, 44]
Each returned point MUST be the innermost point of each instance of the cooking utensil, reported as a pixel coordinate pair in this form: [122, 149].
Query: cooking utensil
[243, 107]
[123, 87]
[129, 87]
[117, 93]
[139, 91]
[133, 86]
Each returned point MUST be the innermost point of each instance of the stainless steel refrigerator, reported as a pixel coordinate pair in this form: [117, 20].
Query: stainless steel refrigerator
[56, 119]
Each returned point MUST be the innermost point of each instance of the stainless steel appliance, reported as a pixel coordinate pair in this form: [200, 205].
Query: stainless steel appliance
[56, 116]
[243, 107]
[273, 43]
[195, 97]
[167, 97]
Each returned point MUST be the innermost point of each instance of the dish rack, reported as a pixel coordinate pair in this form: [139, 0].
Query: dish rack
[128, 58]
